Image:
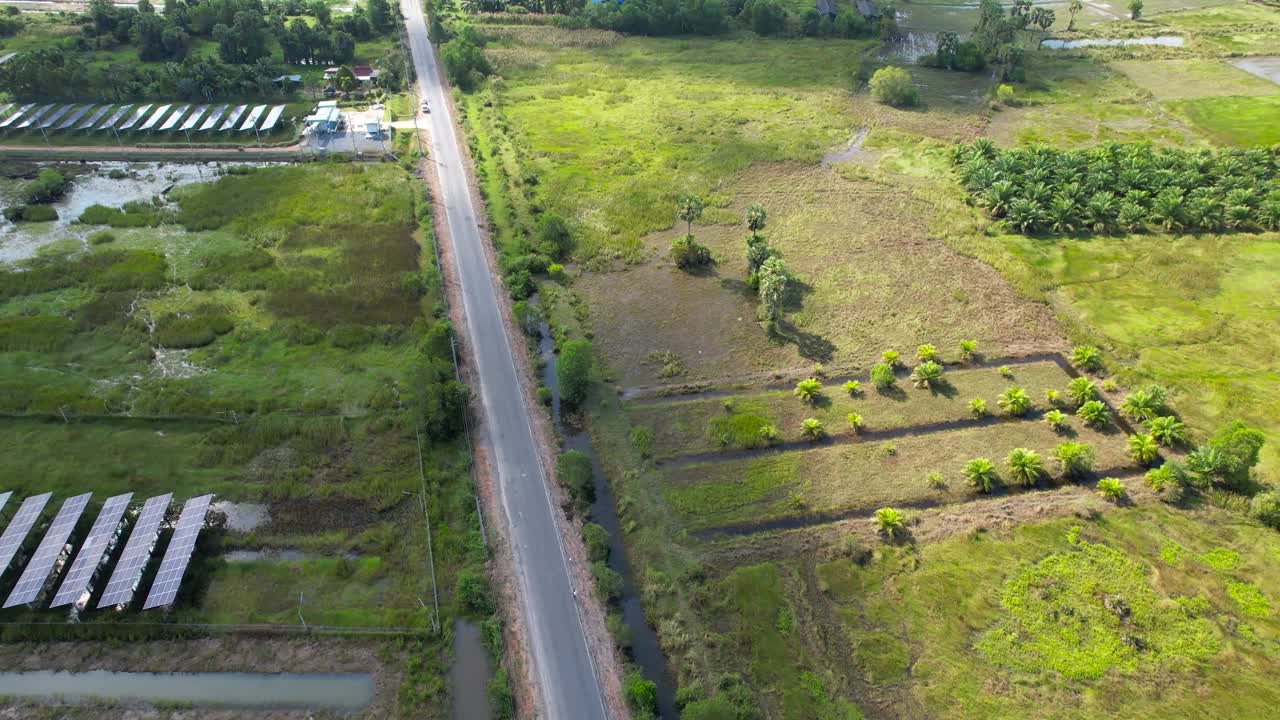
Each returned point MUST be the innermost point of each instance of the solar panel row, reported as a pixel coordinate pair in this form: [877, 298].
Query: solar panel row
[176, 557]
[19, 526]
[4, 498]
[95, 546]
[137, 551]
[55, 539]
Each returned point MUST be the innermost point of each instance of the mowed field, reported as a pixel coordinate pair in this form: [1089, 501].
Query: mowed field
[267, 336]
[759, 557]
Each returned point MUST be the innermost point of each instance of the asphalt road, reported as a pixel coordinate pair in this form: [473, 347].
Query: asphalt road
[562, 666]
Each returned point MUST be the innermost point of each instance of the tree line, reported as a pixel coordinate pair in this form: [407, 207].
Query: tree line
[1123, 188]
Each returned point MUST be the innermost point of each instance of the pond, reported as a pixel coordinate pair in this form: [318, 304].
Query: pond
[1165, 40]
[345, 692]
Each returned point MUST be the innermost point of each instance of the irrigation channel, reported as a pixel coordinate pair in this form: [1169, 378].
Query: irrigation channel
[644, 649]
[341, 692]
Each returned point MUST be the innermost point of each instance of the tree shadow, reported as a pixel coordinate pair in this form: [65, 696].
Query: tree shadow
[797, 289]
[738, 286]
[811, 346]
[944, 388]
[893, 392]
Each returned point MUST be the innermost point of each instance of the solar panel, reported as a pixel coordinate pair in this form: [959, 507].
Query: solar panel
[135, 117]
[272, 118]
[41, 563]
[136, 552]
[4, 498]
[18, 528]
[194, 118]
[232, 118]
[178, 554]
[95, 117]
[55, 116]
[91, 552]
[115, 118]
[73, 118]
[174, 118]
[155, 117]
[17, 114]
[213, 118]
[34, 117]
[252, 120]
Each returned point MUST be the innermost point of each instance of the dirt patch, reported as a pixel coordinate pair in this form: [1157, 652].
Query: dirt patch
[220, 654]
[305, 515]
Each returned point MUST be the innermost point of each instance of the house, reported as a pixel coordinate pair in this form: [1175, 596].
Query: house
[867, 9]
[364, 74]
[330, 73]
[327, 118]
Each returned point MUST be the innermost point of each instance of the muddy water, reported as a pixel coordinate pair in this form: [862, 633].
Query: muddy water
[1165, 40]
[470, 673]
[342, 692]
[242, 517]
[644, 650]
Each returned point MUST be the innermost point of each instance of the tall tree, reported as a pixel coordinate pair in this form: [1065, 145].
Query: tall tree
[773, 286]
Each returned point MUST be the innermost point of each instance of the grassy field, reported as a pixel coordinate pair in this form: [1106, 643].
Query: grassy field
[271, 339]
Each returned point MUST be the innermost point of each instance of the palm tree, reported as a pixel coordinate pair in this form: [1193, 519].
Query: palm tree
[1111, 489]
[926, 353]
[981, 474]
[998, 196]
[1025, 214]
[1095, 413]
[968, 348]
[1143, 448]
[1167, 430]
[808, 390]
[882, 375]
[1100, 211]
[1074, 7]
[978, 407]
[1206, 463]
[891, 522]
[811, 429]
[890, 357]
[926, 374]
[1024, 465]
[1062, 215]
[1075, 459]
[689, 208]
[1140, 405]
[855, 421]
[1086, 357]
[1014, 401]
[1082, 390]
[853, 387]
[1057, 420]
[756, 217]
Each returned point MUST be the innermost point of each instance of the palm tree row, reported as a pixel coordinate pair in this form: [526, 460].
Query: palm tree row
[1120, 188]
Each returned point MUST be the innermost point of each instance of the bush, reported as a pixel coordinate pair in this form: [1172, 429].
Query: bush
[464, 60]
[1167, 431]
[968, 349]
[1082, 390]
[641, 694]
[935, 481]
[554, 238]
[642, 440]
[1076, 459]
[926, 374]
[30, 213]
[1143, 449]
[1111, 489]
[890, 521]
[978, 407]
[473, 593]
[855, 421]
[1057, 420]
[574, 472]
[197, 329]
[1006, 96]
[808, 390]
[890, 357]
[927, 353]
[981, 474]
[596, 539]
[102, 237]
[1086, 357]
[49, 186]
[1266, 508]
[608, 581]
[882, 376]
[36, 333]
[1014, 401]
[892, 86]
[689, 254]
[1095, 413]
[811, 429]
[573, 371]
[853, 387]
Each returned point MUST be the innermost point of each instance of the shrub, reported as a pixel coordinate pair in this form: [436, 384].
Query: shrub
[1167, 430]
[1057, 420]
[102, 237]
[927, 353]
[34, 333]
[892, 86]
[855, 421]
[350, 336]
[1143, 449]
[890, 521]
[201, 327]
[1053, 397]
[853, 387]
[808, 390]
[1025, 466]
[1086, 357]
[642, 440]
[1014, 401]
[1005, 95]
[608, 581]
[935, 481]
[689, 254]
[890, 357]
[1082, 390]
[1239, 446]
[1075, 459]
[641, 694]
[473, 593]
[882, 376]
[978, 407]
[49, 186]
[926, 374]
[596, 540]
[1006, 372]
[768, 434]
[1111, 489]
[1169, 481]
[1141, 405]
[1095, 413]
[573, 470]
[1266, 508]
[968, 349]
[554, 239]
[981, 474]
[811, 429]
[30, 213]
[573, 371]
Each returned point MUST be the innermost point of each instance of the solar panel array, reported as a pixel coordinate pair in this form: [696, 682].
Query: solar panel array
[174, 118]
[91, 552]
[94, 117]
[135, 117]
[41, 563]
[137, 551]
[213, 118]
[19, 526]
[16, 114]
[143, 118]
[273, 117]
[4, 499]
[194, 118]
[232, 118]
[55, 116]
[115, 117]
[176, 557]
[35, 116]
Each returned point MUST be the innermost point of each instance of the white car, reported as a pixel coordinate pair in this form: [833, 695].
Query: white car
[425, 108]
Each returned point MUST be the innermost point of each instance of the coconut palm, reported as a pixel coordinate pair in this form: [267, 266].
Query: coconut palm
[1086, 357]
[1014, 401]
[756, 217]
[855, 421]
[808, 390]
[1024, 465]
[689, 208]
[1140, 405]
[1095, 413]
[968, 348]
[1057, 420]
[978, 407]
[1143, 448]
[981, 474]
[882, 376]
[1111, 489]
[811, 429]
[926, 353]
[1206, 464]
[926, 374]
[1026, 214]
[1167, 430]
[1075, 459]
[891, 522]
[1082, 390]
[853, 387]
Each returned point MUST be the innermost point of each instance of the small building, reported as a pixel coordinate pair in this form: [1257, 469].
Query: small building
[286, 80]
[330, 73]
[327, 118]
[364, 74]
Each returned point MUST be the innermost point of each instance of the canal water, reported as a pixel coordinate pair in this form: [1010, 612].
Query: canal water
[470, 673]
[644, 650]
[344, 692]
